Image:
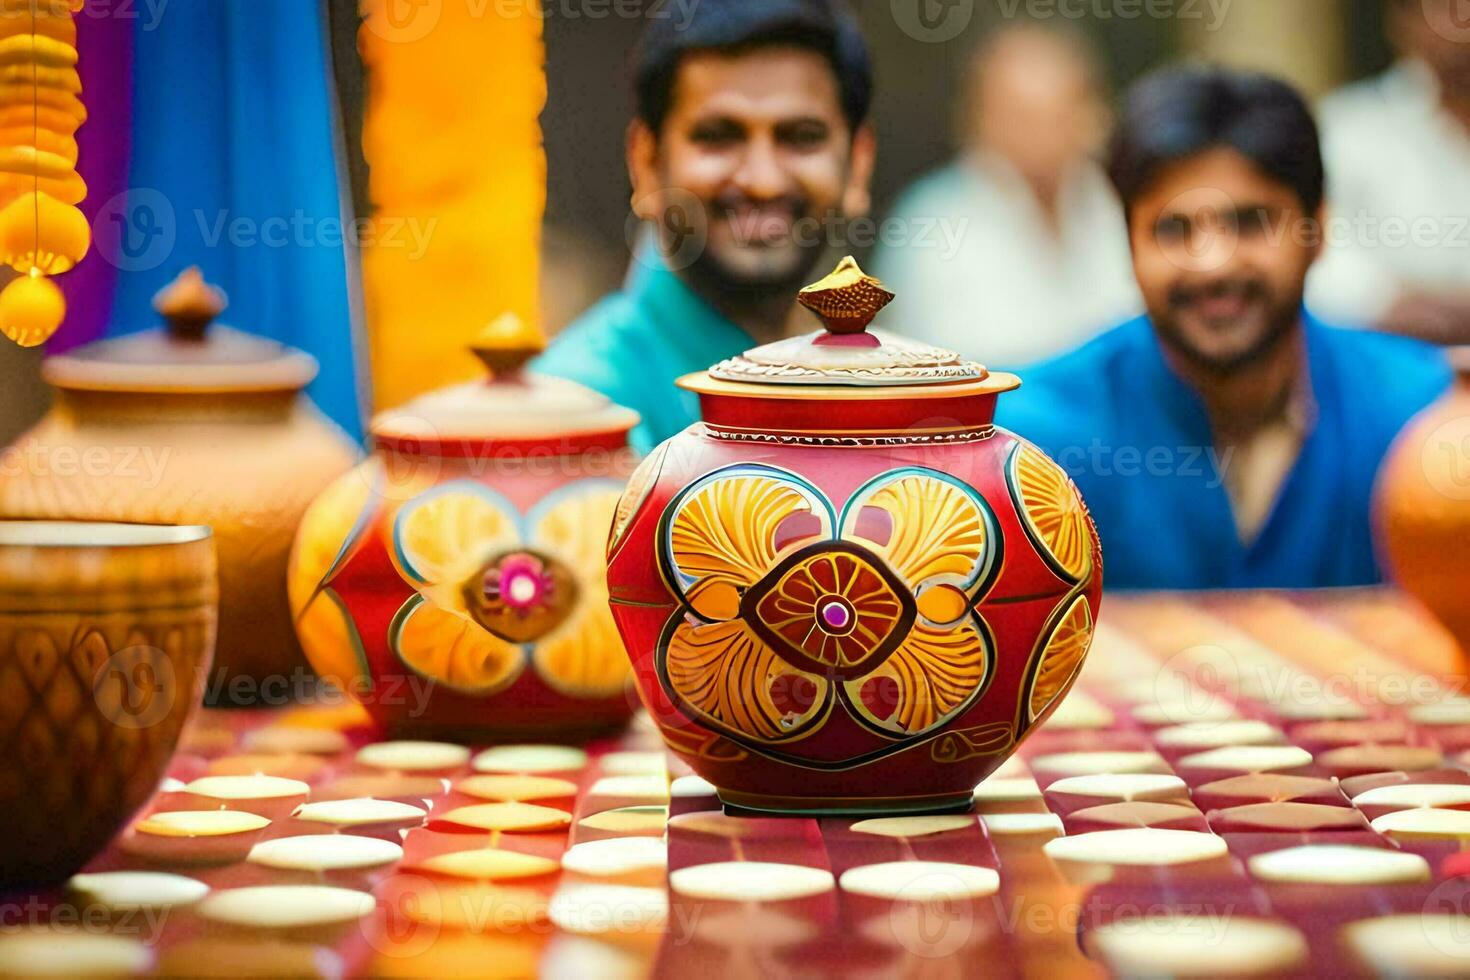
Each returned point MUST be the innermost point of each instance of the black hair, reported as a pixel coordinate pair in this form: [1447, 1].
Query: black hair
[732, 26]
[1177, 113]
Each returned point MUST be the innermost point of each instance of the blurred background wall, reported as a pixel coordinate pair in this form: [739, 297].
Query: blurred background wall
[1316, 43]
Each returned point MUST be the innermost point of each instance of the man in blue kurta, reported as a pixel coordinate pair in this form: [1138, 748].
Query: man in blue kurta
[1227, 439]
[751, 136]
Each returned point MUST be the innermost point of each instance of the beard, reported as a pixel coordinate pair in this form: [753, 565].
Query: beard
[1282, 317]
[756, 253]
[711, 273]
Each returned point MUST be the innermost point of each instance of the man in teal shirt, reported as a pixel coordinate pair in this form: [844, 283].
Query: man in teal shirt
[751, 139]
[1227, 439]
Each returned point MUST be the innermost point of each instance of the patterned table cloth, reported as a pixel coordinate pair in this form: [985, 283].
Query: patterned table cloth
[1244, 784]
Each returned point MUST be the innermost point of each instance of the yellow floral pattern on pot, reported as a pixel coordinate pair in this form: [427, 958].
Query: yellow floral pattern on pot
[1060, 657]
[498, 591]
[792, 608]
[1055, 517]
[332, 528]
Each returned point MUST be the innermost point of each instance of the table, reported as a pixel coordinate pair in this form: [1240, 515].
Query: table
[1241, 784]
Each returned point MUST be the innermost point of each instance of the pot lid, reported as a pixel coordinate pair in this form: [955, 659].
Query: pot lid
[189, 354]
[510, 405]
[846, 355]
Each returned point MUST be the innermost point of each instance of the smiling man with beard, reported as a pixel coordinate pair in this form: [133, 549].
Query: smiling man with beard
[751, 136]
[1227, 439]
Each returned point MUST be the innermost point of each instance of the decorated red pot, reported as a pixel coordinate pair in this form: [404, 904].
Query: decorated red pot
[455, 582]
[846, 590]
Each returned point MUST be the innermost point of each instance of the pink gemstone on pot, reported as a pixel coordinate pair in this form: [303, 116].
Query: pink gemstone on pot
[836, 615]
[521, 590]
[519, 581]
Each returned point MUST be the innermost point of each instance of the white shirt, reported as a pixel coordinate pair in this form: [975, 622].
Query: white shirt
[991, 279]
[1398, 173]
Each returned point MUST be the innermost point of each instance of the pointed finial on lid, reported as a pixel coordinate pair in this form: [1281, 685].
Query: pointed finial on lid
[189, 304]
[507, 344]
[847, 300]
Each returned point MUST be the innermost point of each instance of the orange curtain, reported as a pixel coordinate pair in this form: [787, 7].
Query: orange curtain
[457, 183]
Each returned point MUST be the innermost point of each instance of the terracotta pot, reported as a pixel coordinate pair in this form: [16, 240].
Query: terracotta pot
[191, 424]
[1422, 506]
[454, 583]
[106, 632]
[846, 591]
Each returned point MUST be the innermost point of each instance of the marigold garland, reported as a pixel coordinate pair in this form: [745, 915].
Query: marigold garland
[42, 232]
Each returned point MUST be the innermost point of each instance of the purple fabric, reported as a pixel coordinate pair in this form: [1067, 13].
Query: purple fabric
[105, 49]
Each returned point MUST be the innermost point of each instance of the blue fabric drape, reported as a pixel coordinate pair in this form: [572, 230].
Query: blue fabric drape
[235, 150]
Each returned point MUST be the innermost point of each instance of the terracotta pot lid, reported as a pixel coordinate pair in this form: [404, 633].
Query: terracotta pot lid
[846, 359]
[510, 406]
[189, 354]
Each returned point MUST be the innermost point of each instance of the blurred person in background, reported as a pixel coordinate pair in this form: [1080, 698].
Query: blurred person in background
[1226, 439]
[1398, 170]
[751, 132]
[1039, 260]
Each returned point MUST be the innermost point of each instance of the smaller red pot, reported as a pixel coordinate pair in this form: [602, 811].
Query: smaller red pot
[454, 583]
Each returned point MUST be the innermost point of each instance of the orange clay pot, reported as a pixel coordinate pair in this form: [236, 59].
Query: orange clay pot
[846, 590]
[106, 632]
[454, 583]
[192, 424]
[1422, 506]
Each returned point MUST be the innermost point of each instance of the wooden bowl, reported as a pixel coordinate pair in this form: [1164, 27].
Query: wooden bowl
[107, 632]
